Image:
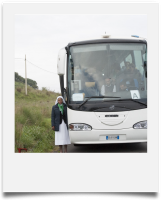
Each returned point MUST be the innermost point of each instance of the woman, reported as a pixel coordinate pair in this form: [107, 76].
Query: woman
[59, 123]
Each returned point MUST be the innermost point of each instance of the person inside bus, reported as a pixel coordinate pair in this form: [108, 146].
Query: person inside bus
[91, 86]
[98, 79]
[91, 71]
[133, 76]
[116, 71]
[136, 73]
[119, 76]
[108, 87]
[123, 68]
[127, 66]
[125, 75]
[123, 86]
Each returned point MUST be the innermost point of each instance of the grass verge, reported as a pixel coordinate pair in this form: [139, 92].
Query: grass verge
[33, 120]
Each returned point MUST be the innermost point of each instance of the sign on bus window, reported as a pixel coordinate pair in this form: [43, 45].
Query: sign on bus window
[135, 94]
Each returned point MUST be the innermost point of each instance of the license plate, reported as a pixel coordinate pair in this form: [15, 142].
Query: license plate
[112, 137]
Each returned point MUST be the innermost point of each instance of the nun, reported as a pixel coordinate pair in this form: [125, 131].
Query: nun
[59, 124]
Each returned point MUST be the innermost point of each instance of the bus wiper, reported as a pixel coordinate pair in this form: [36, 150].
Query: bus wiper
[131, 100]
[96, 97]
[138, 102]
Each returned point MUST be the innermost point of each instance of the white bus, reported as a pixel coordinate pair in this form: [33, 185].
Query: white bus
[105, 89]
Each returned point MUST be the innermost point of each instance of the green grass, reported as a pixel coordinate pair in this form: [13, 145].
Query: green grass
[33, 119]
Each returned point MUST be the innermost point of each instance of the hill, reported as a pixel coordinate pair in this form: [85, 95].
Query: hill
[33, 94]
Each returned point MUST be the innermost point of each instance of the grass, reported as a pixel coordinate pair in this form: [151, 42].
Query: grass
[33, 119]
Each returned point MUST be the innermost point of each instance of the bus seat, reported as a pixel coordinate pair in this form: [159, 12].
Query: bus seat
[90, 84]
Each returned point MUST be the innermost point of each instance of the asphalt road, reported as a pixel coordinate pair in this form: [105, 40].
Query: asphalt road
[109, 148]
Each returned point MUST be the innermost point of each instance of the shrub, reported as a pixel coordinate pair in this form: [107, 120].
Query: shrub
[18, 89]
[32, 115]
[48, 93]
[18, 133]
[29, 89]
[37, 138]
[44, 89]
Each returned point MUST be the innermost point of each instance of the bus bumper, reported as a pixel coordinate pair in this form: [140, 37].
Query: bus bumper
[108, 136]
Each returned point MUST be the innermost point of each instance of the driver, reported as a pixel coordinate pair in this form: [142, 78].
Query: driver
[108, 87]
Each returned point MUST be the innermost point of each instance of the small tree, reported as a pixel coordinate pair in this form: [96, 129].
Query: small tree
[30, 82]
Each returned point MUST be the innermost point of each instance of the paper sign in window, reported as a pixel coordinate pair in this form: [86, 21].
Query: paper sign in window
[77, 97]
[135, 94]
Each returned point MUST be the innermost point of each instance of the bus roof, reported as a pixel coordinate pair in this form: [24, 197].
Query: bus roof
[104, 37]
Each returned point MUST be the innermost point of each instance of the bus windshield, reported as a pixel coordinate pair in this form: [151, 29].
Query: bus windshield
[107, 69]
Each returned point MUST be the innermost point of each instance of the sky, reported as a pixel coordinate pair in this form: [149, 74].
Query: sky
[39, 30]
[40, 37]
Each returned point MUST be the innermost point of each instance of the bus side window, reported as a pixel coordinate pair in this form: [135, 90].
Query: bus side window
[138, 61]
[144, 57]
[128, 58]
[122, 65]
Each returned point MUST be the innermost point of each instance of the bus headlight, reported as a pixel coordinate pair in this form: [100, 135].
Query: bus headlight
[80, 127]
[140, 125]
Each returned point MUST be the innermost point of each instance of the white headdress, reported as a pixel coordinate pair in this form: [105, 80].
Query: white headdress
[58, 98]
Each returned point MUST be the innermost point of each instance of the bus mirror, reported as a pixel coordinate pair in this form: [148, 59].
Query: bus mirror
[61, 62]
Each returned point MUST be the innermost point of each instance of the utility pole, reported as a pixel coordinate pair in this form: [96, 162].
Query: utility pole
[25, 77]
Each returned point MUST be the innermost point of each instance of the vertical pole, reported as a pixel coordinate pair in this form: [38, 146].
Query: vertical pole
[25, 77]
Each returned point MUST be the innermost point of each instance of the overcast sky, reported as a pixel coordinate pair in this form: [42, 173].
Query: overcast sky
[41, 36]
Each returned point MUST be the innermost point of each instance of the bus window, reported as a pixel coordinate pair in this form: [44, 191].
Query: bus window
[144, 57]
[122, 65]
[138, 61]
[129, 58]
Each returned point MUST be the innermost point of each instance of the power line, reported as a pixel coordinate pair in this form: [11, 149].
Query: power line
[40, 67]
[36, 65]
[20, 58]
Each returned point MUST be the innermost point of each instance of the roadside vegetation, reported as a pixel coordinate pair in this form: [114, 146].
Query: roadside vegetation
[33, 119]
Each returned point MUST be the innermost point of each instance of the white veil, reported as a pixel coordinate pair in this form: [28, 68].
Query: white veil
[61, 98]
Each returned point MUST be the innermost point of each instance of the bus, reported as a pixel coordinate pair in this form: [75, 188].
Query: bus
[105, 89]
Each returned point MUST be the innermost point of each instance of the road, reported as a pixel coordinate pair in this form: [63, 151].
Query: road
[109, 148]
